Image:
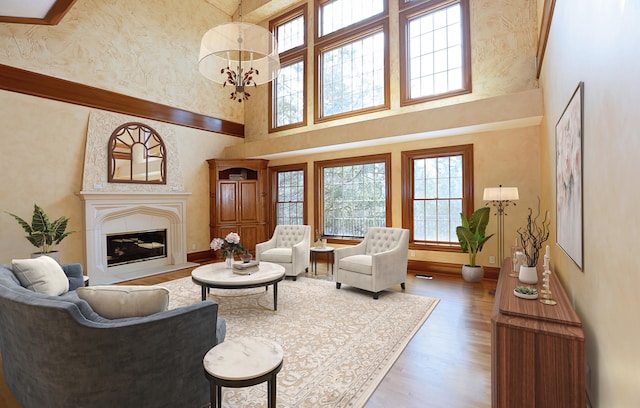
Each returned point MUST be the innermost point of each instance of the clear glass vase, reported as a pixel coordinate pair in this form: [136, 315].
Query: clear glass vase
[229, 261]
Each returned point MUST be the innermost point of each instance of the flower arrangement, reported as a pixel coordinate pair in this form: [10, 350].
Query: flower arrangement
[230, 245]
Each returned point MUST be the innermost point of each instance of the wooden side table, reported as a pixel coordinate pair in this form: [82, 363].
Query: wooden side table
[328, 251]
[243, 362]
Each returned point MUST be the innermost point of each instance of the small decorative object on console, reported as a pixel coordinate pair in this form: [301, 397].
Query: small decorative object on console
[546, 291]
[526, 292]
[532, 236]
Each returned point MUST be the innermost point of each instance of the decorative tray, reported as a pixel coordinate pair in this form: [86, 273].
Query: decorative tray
[525, 296]
[245, 265]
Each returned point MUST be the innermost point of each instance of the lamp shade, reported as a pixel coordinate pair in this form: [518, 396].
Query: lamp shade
[500, 194]
[236, 45]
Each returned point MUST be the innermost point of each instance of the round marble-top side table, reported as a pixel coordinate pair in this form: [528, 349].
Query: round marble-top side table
[326, 250]
[243, 362]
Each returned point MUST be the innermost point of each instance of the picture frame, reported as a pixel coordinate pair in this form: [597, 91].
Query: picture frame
[569, 179]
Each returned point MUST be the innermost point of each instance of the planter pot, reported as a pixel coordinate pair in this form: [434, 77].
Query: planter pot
[528, 274]
[53, 254]
[472, 273]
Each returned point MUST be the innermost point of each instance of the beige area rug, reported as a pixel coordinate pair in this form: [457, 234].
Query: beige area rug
[338, 344]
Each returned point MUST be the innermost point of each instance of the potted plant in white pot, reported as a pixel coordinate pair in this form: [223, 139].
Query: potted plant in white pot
[42, 233]
[532, 236]
[471, 237]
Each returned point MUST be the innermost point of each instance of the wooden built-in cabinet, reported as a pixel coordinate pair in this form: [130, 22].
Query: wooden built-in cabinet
[238, 200]
[537, 350]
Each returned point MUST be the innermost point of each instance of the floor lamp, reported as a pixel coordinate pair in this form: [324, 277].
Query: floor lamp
[500, 197]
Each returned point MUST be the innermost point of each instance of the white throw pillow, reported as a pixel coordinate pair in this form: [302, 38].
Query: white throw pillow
[41, 275]
[120, 301]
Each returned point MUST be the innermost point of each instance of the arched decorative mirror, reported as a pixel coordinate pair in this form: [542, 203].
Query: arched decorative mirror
[137, 155]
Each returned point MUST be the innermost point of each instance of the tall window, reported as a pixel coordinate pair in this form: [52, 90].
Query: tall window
[287, 93]
[352, 58]
[435, 50]
[352, 195]
[288, 192]
[337, 14]
[437, 187]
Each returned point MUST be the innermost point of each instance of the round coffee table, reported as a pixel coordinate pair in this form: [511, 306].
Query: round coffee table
[218, 276]
[242, 362]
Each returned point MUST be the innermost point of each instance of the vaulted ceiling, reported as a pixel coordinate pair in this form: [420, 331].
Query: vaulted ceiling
[52, 11]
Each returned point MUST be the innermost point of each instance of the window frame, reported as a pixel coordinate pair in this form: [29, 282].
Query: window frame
[273, 190]
[407, 165]
[412, 9]
[291, 56]
[355, 27]
[318, 206]
[345, 35]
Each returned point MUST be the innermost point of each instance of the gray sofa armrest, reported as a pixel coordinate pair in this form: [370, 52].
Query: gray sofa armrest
[154, 361]
[74, 273]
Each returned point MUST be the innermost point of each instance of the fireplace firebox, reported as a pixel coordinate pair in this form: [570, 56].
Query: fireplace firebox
[137, 246]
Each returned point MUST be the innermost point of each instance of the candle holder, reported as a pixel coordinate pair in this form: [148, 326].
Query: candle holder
[546, 291]
[517, 257]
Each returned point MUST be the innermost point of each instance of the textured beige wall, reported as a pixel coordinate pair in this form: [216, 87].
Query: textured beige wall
[42, 158]
[508, 157]
[142, 49]
[146, 49]
[503, 49]
[597, 42]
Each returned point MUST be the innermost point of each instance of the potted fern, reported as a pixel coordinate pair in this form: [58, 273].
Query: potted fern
[471, 235]
[43, 233]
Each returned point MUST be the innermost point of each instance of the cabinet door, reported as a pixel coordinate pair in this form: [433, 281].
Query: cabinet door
[227, 208]
[249, 201]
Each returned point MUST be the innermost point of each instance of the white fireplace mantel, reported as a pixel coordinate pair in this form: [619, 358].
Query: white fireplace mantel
[119, 212]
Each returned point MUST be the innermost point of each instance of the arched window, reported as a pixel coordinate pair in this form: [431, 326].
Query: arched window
[137, 155]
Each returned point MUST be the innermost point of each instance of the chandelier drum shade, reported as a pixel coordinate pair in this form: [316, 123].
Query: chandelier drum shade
[240, 55]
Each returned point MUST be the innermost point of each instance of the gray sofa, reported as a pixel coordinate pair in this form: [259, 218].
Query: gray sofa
[57, 352]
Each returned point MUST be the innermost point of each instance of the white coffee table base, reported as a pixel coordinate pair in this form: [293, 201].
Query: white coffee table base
[218, 276]
[243, 362]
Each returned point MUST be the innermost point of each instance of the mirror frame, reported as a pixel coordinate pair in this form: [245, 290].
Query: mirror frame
[140, 134]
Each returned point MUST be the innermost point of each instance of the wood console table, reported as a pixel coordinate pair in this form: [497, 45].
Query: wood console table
[537, 351]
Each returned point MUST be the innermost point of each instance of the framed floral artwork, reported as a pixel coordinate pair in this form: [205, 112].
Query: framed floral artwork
[569, 209]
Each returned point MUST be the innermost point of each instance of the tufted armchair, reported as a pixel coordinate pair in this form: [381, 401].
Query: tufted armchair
[378, 262]
[289, 247]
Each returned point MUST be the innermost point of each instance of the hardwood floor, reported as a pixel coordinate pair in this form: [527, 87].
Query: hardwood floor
[446, 364]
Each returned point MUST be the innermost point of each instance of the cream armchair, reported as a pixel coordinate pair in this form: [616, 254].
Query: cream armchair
[375, 264]
[289, 247]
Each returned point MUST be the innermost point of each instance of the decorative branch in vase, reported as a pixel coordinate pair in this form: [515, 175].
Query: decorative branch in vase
[532, 237]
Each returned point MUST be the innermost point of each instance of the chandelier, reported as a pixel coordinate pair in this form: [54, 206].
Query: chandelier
[240, 55]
